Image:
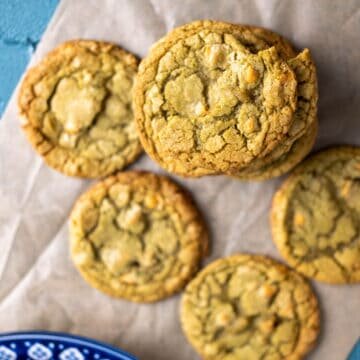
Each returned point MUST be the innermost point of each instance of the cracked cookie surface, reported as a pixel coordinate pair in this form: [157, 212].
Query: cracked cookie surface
[249, 307]
[137, 236]
[76, 108]
[284, 163]
[213, 97]
[315, 216]
[302, 134]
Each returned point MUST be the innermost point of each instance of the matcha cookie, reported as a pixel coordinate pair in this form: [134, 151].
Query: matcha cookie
[250, 307]
[76, 108]
[137, 236]
[315, 216]
[214, 97]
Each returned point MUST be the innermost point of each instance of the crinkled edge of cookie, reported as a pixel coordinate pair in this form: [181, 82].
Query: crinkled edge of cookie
[280, 204]
[309, 330]
[148, 66]
[298, 151]
[175, 194]
[26, 96]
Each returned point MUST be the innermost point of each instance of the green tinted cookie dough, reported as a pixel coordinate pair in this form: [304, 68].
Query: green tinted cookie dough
[316, 216]
[76, 108]
[213, 97]
[249, 307]
[137, 236]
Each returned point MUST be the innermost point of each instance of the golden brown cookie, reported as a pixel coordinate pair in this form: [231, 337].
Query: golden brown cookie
[250, 307]
[137, 236]
[213, 97]
[76, 108]
[315, 216]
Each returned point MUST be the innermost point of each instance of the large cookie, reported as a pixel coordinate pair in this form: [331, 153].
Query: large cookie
[137, 236]
[250, 307]
[76, 108]
[315, 216]
[213, 97]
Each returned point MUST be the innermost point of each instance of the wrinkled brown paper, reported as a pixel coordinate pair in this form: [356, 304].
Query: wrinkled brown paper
[39, 287]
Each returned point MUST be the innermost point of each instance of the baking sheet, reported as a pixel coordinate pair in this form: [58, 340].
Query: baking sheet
[39, 287]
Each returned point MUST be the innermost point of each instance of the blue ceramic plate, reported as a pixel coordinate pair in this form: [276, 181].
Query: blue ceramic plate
[39, 345]
[355, 353]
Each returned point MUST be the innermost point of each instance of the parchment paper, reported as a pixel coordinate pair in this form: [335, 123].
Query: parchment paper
[39, 287]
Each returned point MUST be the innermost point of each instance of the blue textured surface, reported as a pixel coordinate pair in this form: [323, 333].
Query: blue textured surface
[22, 23]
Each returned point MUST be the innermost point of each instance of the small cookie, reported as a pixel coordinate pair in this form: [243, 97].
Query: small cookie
[76, 108]
[213, 97]
[315, 216]
[284, 163]
[250, 307]
[137, 236]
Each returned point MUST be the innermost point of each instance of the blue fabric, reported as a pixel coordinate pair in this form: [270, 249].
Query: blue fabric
[21, 26]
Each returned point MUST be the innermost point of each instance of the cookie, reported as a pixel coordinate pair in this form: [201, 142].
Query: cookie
[315, 216]
[137, 236]
[281, 165]
[213, 97]
[302, 134]
[76, 108]
[249, 307]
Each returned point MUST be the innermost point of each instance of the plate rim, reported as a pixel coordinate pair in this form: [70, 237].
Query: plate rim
[23, 335]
